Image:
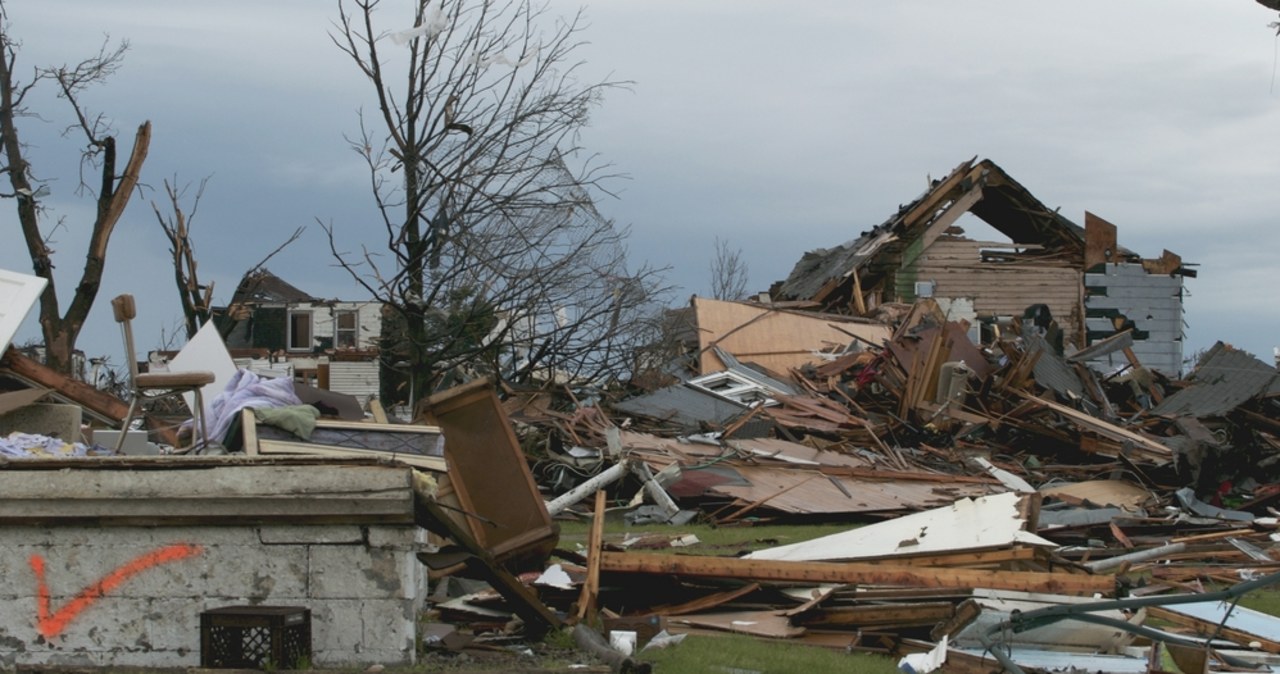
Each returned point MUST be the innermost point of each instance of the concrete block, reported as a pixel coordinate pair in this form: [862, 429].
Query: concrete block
[398, 538]
[337, 632]
[52, 419]
[358, 572]
[332, 534]
[364, 600]
[346, 631]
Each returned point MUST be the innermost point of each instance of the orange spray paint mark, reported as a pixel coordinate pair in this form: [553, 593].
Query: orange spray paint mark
[50, 625]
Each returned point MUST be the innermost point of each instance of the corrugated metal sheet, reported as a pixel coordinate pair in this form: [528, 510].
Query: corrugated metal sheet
[684, 406]
[1224, 380]
[1051, 370]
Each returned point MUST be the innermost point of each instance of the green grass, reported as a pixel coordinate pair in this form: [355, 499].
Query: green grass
[734, 654]
[1266, 600]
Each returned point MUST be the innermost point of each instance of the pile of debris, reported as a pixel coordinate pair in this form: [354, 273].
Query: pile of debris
[992, 491]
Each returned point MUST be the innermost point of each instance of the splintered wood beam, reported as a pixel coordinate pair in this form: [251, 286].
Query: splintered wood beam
[879, 573]
[538, 619]
[102, 404]
[595, 546]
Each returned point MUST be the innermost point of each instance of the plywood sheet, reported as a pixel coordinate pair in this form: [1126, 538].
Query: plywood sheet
[774, 338]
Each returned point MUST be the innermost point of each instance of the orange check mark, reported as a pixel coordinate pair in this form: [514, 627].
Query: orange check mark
[50, 625]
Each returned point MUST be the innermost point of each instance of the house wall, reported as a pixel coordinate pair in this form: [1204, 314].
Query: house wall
[1152, 301]
[357, 378]
[956, 268]
[363, 585]
[173, 537]
[324, 322]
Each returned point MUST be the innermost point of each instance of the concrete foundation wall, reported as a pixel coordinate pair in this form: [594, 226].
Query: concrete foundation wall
[132, 596]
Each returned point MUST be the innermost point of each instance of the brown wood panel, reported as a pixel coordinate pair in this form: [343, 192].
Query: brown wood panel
[488, 472]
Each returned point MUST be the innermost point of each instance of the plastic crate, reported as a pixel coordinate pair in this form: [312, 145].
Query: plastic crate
[255, 637]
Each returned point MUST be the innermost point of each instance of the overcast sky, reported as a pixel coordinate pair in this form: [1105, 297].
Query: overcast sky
[780, 127]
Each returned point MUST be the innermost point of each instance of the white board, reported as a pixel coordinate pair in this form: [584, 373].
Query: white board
[18, 293]
[206, 351]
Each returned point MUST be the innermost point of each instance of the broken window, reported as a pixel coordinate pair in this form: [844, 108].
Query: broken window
[299, 330]
[345, 329]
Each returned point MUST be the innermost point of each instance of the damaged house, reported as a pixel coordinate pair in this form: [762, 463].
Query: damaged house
[275, 328]
[1067, 278]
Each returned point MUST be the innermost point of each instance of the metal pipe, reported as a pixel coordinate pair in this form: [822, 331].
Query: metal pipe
[1139, 556]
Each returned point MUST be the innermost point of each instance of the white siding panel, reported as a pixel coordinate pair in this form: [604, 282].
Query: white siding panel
[359, 379]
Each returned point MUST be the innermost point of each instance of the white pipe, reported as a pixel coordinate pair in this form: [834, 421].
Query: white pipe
[603, 478]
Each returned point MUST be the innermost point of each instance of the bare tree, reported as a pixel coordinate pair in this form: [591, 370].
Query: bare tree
[98, 157]
[728, 273]
[497, 255]
[196, 297]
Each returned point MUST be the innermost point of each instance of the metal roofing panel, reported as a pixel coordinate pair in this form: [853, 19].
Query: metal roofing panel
[1225, 379]
[1051, 370]
[682, 405]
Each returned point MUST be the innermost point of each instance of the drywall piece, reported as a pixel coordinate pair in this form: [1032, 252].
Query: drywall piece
[18, 293]
[967, 524]
[206, 351]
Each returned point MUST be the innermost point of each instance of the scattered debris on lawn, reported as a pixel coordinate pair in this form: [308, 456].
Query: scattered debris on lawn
[1027, 484]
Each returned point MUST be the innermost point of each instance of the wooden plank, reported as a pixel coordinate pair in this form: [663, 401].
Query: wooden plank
[980, 558]
[101, 404]
[756, 623]
[595, 545]
[276, 447]
[537, 617]
[1203, 627]
[878, 615]
[959, 206]
[879, 573]
[1153, 449]
[708, 602]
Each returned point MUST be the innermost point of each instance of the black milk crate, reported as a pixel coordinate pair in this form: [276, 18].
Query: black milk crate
[255, 637]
